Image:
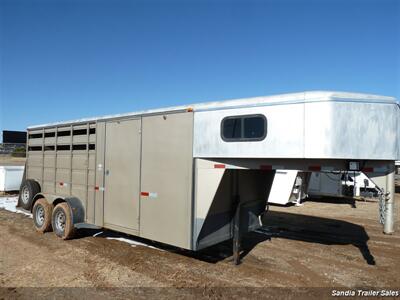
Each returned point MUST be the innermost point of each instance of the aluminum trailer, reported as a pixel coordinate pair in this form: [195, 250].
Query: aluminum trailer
[193, 176]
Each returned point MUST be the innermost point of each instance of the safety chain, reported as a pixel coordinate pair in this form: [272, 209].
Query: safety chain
[383, 197]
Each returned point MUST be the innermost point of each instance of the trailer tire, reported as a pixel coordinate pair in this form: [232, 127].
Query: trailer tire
[29, 188]
[61, 221]
[41, 214]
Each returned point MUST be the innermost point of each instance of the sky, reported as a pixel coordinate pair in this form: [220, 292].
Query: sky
[63, 60]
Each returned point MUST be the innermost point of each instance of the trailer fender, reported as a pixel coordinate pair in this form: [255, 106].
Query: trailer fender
[77, 210]
[75, 205]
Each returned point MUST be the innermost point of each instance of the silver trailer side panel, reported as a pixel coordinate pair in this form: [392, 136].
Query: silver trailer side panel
[122, 175]
[314, 130]
[166, 180]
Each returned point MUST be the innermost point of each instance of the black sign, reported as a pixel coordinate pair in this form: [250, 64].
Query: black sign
[14, 137]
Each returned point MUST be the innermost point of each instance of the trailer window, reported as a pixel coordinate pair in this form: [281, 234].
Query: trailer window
[79, 147]
[79, 132]
[63, 147]
[35, 135]
[232, 128]
[49, 134]
[244, 128]
[64, 133]
[35, 148]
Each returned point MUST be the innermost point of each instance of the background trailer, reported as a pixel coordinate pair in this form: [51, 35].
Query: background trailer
[196, 175]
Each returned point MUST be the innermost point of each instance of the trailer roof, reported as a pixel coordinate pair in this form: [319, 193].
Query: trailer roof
[281, 99]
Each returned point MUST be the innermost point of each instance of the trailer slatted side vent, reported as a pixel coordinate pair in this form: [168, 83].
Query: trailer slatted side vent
[64, 133]
[36, 136]
[62, 160]
[63, 147]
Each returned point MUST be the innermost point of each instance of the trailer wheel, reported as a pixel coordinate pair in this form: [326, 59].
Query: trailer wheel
[61, 221]
[28, 190]
[41, 213]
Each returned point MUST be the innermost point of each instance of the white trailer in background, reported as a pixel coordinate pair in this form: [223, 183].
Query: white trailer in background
[193, 176]
[11, 178]
[289, 186]
[292, 186]
[342, 184]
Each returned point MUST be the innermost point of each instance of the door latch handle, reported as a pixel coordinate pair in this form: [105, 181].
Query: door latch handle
[107, 172]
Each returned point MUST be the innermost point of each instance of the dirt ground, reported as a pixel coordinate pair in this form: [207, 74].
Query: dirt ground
[7, 160]
[319, 244]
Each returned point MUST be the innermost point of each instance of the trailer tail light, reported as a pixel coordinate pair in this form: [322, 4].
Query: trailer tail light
[219, 166]
[145, 194]
[96, 188]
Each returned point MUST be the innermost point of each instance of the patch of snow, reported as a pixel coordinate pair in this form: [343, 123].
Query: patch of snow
[132, 242]
[10, 204]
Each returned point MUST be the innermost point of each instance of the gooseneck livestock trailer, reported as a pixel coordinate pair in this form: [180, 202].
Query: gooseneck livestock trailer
[179, 175]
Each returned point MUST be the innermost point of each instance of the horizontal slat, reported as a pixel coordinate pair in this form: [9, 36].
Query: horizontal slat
[35, 159]
[63, 161]
[34, 173]
[81, 139]
[38, 131]
[91, 177]
[48, 187]
[49, 174]
[35, 142]
[49, 141]
[80, 161]
[49, 160]
[64, 140]
[79, 177]
[83, 126]
[63, 175]
[92, 161]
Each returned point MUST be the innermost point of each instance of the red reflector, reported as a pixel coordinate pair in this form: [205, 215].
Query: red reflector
[265, 167]
[367, 170]
[219, 166]
[314, 168]
[96, 188]
[61, 183]
[144, 194]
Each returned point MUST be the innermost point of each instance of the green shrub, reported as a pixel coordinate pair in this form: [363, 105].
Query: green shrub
[19, 152]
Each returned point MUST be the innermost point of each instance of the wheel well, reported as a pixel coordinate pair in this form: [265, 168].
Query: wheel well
[57, 201]
[38, 196]
[35, 198]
